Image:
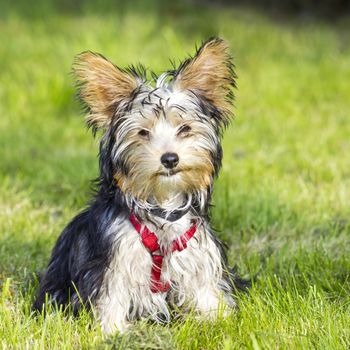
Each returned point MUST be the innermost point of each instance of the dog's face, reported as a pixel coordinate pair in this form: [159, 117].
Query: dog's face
[166, 144]
[161, 140]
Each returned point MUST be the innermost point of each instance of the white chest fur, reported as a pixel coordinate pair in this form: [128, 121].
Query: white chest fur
[193, 273]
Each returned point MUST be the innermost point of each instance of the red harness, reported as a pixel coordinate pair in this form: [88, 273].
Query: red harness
[150, 241]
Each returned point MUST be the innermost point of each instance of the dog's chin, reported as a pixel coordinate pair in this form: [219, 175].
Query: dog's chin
[169, 182]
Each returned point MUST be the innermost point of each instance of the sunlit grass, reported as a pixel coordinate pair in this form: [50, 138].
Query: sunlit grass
[281, 201]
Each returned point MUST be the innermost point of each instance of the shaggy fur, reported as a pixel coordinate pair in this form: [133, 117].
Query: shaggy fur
[99, 259]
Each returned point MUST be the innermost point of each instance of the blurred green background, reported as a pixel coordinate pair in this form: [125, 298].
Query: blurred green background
[281, 201]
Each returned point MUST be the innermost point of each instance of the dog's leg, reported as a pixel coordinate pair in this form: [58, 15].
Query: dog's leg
[211, 301]
[120, 285]
[199, 275]
[216, 296]
[125, 295]
[127, 301]
[112, 314]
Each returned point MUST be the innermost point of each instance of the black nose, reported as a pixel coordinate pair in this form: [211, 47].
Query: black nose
[169, 160]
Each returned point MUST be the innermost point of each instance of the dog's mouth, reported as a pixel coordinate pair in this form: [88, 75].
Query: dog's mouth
[172, 172]
[169, 173]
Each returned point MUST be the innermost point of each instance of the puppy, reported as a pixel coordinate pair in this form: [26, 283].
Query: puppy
[144, 245]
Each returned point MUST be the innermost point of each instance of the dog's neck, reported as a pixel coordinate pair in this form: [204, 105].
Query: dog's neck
[169, 219]
[171, 216]
[170, 210]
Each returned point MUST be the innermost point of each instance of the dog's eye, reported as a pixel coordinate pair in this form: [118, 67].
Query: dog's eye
[184, 129]
[144, 133]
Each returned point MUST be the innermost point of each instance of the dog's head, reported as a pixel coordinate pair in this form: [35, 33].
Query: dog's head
[160, 140]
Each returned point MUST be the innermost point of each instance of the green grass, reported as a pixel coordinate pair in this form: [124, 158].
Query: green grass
[282, 198]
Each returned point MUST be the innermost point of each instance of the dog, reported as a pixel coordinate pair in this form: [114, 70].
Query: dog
[144, 246]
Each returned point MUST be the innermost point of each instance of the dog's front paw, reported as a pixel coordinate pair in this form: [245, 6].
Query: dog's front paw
[211, 304]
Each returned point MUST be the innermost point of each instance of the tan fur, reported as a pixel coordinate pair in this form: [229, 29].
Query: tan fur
[192, 179]
[102, 86]
[210, 74]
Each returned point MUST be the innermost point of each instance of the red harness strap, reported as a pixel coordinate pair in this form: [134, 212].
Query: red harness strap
[150, 241]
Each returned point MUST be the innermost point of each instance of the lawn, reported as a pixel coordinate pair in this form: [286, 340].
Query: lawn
[282, 198]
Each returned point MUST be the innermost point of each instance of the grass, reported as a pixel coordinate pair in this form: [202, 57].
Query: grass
[282, 198]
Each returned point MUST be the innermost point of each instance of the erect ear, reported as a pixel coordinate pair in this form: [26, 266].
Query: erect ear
[210, 73]
[102, 87]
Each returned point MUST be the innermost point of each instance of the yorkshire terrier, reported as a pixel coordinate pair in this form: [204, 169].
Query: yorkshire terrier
[144, 247]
